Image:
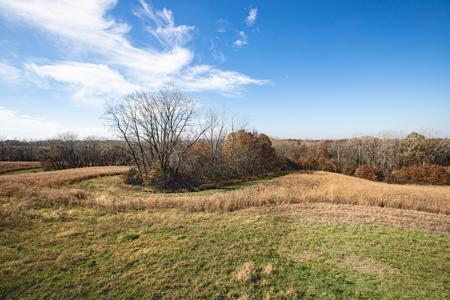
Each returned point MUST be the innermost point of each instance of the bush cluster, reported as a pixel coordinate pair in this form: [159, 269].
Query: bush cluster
[426, 174]
[370, 173]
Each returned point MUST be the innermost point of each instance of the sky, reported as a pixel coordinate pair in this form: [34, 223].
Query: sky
[311, 69]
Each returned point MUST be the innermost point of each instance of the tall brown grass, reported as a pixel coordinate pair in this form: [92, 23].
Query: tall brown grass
[295, 188]
[9, 166]
[25, 183]
[315, 187]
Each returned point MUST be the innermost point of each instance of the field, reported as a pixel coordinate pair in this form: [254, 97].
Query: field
[82, 233]
[16, 166]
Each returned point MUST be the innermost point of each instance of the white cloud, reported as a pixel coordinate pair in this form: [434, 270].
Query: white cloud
[163, 26]
[242, 40]
[216, 53]
[251, 18]
[18, 126]
[205, 77]
[116, 66]
[84, 23]
[93, 82]
[9, 73]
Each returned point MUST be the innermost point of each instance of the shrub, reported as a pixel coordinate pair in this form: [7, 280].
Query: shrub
[349, 168]
[154, 177]
[288, 165]
[133, 177]
[426, 174]
[308, 163]
[327, 165]
[368, 172]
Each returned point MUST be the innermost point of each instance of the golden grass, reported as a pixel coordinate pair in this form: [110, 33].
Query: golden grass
[60, 177]
[295, 188]
[317, 187]
[8, 166]
[18, 185]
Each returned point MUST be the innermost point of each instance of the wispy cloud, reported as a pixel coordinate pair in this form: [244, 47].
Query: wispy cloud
[209, 78]
[216, 53]
[251, 18]
[9, 73]
[242, 40]
[91, 82]
[222, 25]
[84, 24]
[115, 66]
[163, 26]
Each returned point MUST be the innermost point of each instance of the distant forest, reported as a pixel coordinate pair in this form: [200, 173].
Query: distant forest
[413, 159]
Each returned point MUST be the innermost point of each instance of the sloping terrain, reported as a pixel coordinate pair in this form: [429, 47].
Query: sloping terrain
[297, 236]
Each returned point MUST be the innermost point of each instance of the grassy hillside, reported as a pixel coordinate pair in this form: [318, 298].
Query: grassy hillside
[276, 239]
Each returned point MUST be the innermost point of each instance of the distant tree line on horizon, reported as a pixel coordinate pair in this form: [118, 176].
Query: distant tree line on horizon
[172, 147]
[412, 159]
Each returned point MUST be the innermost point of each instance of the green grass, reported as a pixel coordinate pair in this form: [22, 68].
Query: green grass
[24, 171]
[171, 254]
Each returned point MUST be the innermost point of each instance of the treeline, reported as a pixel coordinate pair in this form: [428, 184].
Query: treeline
[13, 150]
[173, 147]
[66, 151]
[413, 159]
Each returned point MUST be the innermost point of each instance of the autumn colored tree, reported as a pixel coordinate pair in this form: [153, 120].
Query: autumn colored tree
[368, 172]
[323, 154]
[248, 153]
[425, 174]
[413, 150]
[308, 163]
[322, 149]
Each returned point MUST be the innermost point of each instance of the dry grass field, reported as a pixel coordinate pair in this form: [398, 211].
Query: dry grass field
[18, 184]
[9, 166]
[83, 233]
[316, 187]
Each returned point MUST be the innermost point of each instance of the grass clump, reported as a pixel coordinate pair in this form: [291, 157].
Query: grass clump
[133, 177]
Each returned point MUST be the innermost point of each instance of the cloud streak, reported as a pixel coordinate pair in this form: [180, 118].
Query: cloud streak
[163, 26]
[115, 66]
[9, 73]
[90, 81]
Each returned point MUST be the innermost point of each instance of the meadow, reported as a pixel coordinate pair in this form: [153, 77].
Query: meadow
[8, 167]
[84, 233]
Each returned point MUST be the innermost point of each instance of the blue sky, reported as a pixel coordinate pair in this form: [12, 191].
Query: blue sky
[293, 69]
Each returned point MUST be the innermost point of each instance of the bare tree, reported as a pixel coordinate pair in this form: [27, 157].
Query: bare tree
[158, 127]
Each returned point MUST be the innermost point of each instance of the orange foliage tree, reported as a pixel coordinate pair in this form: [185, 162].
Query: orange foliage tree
[426, 174]
[249, 153]
[368, 172]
